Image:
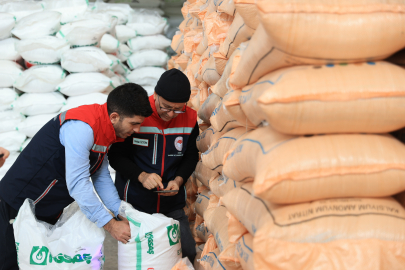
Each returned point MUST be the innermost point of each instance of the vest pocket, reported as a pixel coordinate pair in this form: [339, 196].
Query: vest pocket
[46, 191]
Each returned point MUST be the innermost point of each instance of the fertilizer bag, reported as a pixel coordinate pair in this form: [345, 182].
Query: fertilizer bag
[74, 242]
[154, 243]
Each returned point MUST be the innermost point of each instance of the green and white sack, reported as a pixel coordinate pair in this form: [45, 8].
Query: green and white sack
[73, 243]
[154, 244]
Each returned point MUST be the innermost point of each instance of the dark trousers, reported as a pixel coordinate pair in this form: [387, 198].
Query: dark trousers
[8, 253]
[187, 239]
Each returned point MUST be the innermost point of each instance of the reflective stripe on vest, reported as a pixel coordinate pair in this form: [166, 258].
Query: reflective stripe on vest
[99, 148]
[178, 130]
[63, 117]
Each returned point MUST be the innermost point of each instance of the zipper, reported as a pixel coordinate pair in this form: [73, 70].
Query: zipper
[126, 191]
[163, 166]
[45, 192]
[155, 150]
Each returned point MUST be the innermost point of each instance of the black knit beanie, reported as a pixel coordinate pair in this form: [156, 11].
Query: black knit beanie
[174, 86]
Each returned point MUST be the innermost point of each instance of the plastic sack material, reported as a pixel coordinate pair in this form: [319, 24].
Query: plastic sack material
[42, 51]
[88, 99]
[244, 250]
[202, 202]
[248, 11]
[121, 11]
[208, 107]
[123, 33]
[211, 261]
[183, 264]
[74, 242]
[69, 10]
[207, 138]
[221, 185]
[21, 9]
[213, 157]
[8, 51]
[109, 44]
[84, 83]
[7, 97]
[31, 125]
[146, 75]
[147, 58]
[154, 243]
[9, 72]
[146, 23]
[40, 24]
[204, 174]
[12, 140]
[40, 79]
[306, 99]
[178, 42]
[158, 42]
[109, 21]
[86, 59]
[39, 103]
[7, 22]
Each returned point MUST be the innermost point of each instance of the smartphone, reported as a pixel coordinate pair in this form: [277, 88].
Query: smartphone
[165, 191]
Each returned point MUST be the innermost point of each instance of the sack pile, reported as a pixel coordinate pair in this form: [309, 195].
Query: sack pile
[295, 107]
[57, 55]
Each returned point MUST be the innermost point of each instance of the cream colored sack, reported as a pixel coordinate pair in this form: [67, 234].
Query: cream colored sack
[202, 202]
[228, 7]
[213, 157]
[330, 166]
[244, 250]
[249, 12]
[368, 98]
[204, 174]
[237, 33]
[241, 161]
[232, 106]
[178, 43]
[214, 68]
[206, 109]
[221, 185]
[207, 138]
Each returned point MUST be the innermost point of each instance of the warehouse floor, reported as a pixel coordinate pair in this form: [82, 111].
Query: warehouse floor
[111, 252]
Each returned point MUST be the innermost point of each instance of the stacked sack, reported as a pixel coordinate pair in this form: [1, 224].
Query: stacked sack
[296, 153]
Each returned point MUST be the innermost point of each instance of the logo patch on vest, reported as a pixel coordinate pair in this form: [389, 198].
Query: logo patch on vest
[178, 143]
[141, 142]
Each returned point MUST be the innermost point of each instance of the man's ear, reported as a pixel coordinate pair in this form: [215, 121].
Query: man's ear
[114, 117]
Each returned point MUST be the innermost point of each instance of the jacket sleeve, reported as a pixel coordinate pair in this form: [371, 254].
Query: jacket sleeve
[120, 159]
[190, 157]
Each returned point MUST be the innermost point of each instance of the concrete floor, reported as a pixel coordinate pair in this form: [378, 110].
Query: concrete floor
[111, 252]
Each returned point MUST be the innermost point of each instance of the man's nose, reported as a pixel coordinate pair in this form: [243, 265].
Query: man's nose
[171, 113]
[136, 130]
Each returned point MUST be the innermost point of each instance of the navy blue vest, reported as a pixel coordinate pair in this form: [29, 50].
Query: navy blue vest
[39, 172]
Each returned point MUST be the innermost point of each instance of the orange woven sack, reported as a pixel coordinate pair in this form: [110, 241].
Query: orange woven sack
[191, 41]
[202, 202]
[244, 250]
[235, 229]
[216, 26]
[307, 100]
[182, 61]
[221, 185]
[191, 187]
[211, 262]
[203, 45]
[207, 138]
[203, 59]
[328, 234]
[336, 166]
[240, 162]
[228, 7]
[221, 88]
[232, 106]
[178, 42]
[202, 232]
[209, 246]
[204, 174]
[183, 264]
[208, 107]
[248, 10]
[214, 156]
[237, 33]
[214, 68]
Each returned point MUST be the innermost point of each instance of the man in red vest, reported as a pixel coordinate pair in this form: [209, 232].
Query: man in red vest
[54, 169]
[162, 156]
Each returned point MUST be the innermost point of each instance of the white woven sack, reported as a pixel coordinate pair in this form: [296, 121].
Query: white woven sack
[73, 243]
[39, 103]
[9, 120]
[109, 21]
[121, 11]
[84, 83]
[147, 58]
[21, 9]
[154, 243]
[12, 140]
[9, 71]
[37, 25]
[69, 9]
[7, 97]
[32, 124]
[88, 99]
[158, 42]
[86, 59]
[124, 52]
[147, 23]
[149, 88]
[109, 44]
[145, 75]
[7, 22]
[8, 51]
[123, 33]
[83, 32]
[40, 79]
[42, 51]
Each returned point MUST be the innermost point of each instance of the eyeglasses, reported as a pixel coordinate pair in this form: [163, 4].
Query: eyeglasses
[169, 110]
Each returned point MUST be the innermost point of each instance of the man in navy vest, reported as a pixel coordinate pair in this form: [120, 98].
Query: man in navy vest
[54, 169]
[162, 155]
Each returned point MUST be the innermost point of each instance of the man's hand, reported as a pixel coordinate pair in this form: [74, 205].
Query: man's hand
[120, 230]
[173, 185]
[5, 153]
[150, 180]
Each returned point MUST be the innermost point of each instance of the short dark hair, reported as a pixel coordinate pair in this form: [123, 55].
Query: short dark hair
[128, 100]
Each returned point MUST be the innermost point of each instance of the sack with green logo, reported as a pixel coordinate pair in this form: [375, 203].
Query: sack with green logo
[73, 243]
[154, 243]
